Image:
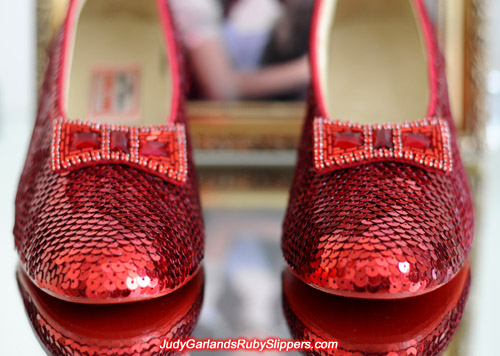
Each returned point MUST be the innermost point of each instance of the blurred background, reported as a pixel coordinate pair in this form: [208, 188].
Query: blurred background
[245, 129]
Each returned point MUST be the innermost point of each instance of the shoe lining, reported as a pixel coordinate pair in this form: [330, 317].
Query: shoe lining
[119, 72]
[374, 63]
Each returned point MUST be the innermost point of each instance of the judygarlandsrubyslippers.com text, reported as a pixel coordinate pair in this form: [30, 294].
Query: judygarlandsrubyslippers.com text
[270, 344]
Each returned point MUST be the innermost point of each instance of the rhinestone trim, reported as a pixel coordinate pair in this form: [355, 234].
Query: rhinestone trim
[328, 156]
[172, 167]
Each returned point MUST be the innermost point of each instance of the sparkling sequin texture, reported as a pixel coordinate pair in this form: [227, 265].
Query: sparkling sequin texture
[421, 326]
[387, 229]
[68, 329]
[105, 233]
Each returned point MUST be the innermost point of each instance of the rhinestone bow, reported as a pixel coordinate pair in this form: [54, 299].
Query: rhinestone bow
[160, 150]
[340, 144]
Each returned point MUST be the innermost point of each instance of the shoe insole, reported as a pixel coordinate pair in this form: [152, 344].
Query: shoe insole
[119, 72]
[376, 64]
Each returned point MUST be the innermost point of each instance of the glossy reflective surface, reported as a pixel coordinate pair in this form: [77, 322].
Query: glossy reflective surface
[422, 325]
[242, 293]
[139, 328]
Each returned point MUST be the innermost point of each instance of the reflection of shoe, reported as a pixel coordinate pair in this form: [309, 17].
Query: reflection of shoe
[109, 213]
[125, 329]
[380, 208]
[423, 325]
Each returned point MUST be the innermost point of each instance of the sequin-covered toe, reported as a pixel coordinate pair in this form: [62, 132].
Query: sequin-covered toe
[386, 230]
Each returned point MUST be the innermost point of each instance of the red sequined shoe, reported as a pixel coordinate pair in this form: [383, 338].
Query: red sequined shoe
[107, 209]
[380, 205]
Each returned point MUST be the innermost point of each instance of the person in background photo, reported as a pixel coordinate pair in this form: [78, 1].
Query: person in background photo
[245, 49]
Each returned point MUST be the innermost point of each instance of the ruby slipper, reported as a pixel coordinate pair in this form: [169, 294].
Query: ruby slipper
[380, 205]
[107, 209]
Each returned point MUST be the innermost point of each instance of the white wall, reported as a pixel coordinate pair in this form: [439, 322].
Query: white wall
[17, 108]
[17, 61]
